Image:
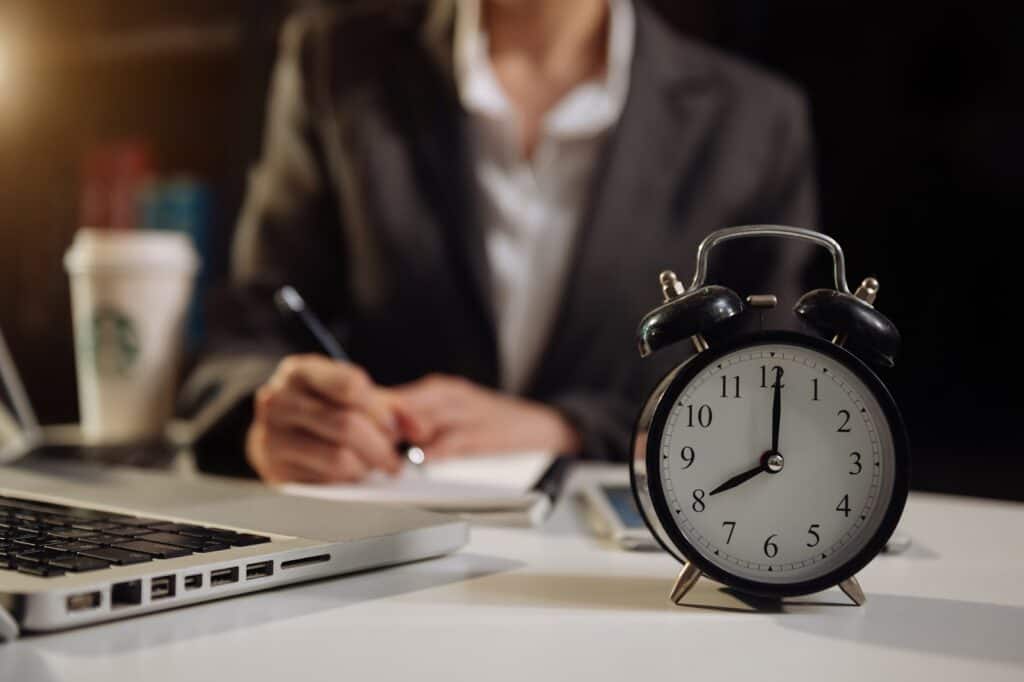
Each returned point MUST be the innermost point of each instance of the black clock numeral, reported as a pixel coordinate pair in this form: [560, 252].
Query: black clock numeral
[698, 501]
[770, 548]
[688, 456]
[813, 530]
[855, 456]
[815, 398]
[736, 387]
[844, 505]
[845, 428]
[703, 416]
[732, 527]
[777, 371]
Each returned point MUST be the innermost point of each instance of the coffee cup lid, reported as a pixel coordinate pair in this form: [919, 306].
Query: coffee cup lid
[100, 249]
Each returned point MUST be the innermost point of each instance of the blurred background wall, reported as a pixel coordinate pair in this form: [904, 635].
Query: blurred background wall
[918, 111]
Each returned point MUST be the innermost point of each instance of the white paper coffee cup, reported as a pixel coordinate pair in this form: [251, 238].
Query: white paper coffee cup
[130, 291]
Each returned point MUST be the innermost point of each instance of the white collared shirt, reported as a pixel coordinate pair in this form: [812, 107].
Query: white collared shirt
[530, 209]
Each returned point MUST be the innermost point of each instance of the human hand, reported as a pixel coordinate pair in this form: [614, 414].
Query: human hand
[451, 416]
[321, 420]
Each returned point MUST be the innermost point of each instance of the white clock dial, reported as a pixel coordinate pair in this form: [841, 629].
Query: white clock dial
[784, 515]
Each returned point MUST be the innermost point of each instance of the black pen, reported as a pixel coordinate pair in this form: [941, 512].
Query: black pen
[291, 305]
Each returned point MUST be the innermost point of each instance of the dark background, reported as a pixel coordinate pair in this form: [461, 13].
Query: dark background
[917, 107]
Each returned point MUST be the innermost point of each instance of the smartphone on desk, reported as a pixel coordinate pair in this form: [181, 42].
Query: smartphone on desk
[611, 513]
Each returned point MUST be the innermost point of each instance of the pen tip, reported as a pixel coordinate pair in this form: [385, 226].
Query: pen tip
[415, 454]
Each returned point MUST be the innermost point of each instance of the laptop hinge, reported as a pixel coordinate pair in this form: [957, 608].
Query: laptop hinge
[9, 629]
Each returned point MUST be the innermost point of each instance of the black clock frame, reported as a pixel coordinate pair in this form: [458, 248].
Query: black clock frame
[686, 373]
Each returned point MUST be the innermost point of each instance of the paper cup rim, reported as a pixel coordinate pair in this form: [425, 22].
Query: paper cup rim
[95, 250]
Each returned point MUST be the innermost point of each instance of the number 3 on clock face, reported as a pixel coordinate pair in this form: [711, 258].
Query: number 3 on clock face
[777, 463]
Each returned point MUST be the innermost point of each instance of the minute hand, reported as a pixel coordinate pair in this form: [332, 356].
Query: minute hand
[737, 479]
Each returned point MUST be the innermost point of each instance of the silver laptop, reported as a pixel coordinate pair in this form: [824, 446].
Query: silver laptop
[81, 544]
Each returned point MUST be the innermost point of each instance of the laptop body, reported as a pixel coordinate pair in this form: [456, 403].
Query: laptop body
[82, 544]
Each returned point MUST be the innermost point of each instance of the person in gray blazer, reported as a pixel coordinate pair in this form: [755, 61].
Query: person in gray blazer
[477, 197]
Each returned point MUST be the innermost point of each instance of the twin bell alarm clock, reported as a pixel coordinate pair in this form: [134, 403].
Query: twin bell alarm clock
[775, 463]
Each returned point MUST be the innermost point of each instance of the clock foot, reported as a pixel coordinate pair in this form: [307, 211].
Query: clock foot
[851, 588]
[687, 578]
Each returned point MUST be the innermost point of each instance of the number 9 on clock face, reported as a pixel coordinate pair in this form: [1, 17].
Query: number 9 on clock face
[777, 463]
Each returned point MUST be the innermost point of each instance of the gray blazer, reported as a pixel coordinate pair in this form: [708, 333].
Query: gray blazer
[363, 201]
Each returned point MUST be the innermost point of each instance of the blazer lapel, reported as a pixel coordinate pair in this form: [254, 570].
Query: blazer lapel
[660, 136]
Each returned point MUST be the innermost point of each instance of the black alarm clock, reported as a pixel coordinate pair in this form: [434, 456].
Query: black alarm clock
[776, 462]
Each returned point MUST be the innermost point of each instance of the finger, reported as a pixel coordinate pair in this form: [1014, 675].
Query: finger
[364, 438]
[348, 467]
[293, 455]
[291, 409]
[413, 427]
[289, 450]
[435, 405]
[341, 383]
[289, 472]
[453, 443]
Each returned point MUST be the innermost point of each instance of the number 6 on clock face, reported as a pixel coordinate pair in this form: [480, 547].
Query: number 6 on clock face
[776, 463]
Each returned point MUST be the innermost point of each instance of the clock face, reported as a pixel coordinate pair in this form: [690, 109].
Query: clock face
[777, 462]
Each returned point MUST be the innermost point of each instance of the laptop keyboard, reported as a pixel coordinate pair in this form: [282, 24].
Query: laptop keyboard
[48, 540]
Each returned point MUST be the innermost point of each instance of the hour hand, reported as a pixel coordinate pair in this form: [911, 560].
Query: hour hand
[738, 479]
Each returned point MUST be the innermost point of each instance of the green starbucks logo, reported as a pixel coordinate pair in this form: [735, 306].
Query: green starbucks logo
[112, 342]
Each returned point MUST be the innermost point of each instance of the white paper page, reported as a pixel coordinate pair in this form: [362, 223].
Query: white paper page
[485, 482]
[517, 471]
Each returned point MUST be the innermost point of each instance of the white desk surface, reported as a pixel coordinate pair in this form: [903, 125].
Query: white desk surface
[557, 604]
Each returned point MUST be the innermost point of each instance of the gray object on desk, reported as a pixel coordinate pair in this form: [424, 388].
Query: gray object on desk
[80, 544]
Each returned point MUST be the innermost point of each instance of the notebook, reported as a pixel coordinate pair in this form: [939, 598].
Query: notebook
[495, 489]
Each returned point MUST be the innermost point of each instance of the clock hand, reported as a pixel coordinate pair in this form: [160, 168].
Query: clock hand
[776, 409]
[738, 478]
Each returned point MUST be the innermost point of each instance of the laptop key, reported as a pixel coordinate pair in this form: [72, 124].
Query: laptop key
[126, 531]
[71, 547]
[69, 533]
[184, 529]
[41, 556]
[94, 526]
[103, 539]
[156, 549]
[212, 547]
[132, 520]
[121, 557]
[245, 539]
[39, 570]
[172, 539]
[80, 564]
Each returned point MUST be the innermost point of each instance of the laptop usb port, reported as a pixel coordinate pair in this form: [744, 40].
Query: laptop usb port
[126, 594]
[193, 582]
[161, 588]
[224, 576]
[83, 601]
[261, 569]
